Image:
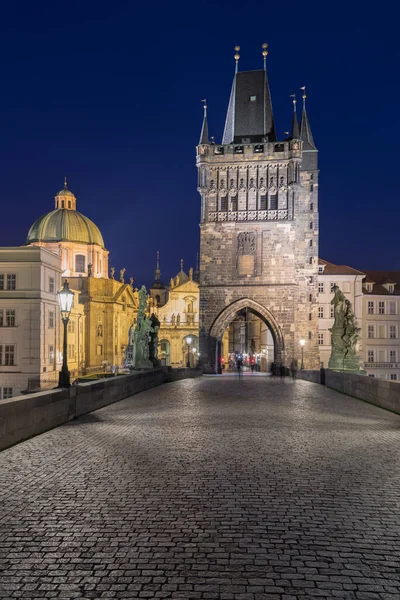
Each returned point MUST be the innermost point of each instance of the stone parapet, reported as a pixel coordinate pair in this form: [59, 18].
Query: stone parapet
[26, 416]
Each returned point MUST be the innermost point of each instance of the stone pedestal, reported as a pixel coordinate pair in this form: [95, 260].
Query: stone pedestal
[343, 359]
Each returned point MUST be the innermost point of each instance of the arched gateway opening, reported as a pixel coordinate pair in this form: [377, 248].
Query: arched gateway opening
[247, 328]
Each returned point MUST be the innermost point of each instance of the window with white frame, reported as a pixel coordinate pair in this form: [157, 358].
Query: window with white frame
[11, 281]
[371, 355]
[393, 376]
[51, 285]
[392, 332]
[320, 269]
[7, 355]
[51, 319]
[51, 355]
[332, 312]
[392, 307]
[10, 317]
[393, 356]
[391, 288]
[381, 308]
[320, 339]
[371, 375]
[371, 307]
[321, 287]
[371, 331]
[321, 312]
[332, 285]
[6, 392]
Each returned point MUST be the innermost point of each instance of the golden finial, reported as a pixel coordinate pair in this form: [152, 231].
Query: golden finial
[65, 183]
[304, 92]
[237, 56]
[265, 54]
[204, 104]
[294, 101]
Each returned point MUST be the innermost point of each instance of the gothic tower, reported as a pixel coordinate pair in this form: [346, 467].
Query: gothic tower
[259, 224]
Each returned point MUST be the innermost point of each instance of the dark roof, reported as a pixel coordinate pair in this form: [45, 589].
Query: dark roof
[295, 127]
[331, 269]
[204, 129]
[381, 278]
[250, 109]
[305, 132]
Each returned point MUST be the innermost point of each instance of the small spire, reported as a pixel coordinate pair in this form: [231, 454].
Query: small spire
[265, 54]
[295, 124]
[157, 272]
[181, 264]
[237, 56]
[197, 271]
[204, 129]
[65, 183]
[305, 129]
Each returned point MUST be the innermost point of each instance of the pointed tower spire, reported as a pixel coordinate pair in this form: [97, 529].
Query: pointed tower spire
[181, 264]
[65, 183]
[237, 56]
[249, 117]
[305, 129]
[295, 125]
[204, 129]
[197, 271]
[157, 272]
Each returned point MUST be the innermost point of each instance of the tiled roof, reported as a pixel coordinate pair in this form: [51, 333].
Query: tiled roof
[331, 269]
[379, 279]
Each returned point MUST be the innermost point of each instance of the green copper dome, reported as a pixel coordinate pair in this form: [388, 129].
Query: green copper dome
[65, 225]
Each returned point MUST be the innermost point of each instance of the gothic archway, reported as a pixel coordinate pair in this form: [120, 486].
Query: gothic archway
[227, 315]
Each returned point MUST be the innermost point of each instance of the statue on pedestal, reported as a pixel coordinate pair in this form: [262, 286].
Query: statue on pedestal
[121, 275]
[153, 345]
[137, 351]
[345, 335]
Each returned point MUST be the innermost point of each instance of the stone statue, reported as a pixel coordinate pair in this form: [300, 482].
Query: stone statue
[137, 351]
[173, 320]
[112, 273]
[121, 275]
[178, 319]
[131, 280]
[345, 335]
[153, 345]
[190, 274]
[171, 283]
[89, 270]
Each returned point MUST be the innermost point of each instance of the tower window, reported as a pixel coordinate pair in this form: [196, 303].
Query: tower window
[312, 187]
[69, 203]
[312, 176]
[238, 149]
[311, 260]
[310, 243]
[80, 263]
[311, 206]
[62, 203]
[223, 204]
[273, 202]
[253, 98]
[259, 148]
[263, 202]
[311, 225]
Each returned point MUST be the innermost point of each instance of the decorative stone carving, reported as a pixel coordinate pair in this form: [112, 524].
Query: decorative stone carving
[246, 243]
[212, 187]
[242, 185]
[112, 272]
[121, 275]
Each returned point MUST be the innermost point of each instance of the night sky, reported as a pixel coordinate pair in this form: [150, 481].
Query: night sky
[109, 95]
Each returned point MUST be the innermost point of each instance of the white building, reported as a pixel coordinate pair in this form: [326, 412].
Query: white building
[30, 322]
[375, 297]
[29, 318]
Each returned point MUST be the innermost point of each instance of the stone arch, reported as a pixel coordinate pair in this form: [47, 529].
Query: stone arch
[227, 315]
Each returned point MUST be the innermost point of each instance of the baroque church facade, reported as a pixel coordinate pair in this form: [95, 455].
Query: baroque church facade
[259, 225]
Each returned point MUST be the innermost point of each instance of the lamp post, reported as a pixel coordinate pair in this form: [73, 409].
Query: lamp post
[188, 341]
[302, 342]
[65, 299]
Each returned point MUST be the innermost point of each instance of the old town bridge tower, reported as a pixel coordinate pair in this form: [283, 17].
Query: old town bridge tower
[259, 224]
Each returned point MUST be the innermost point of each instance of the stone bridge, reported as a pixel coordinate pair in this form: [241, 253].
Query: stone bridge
[207, 488]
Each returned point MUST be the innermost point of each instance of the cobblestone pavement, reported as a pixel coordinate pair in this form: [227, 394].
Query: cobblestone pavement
[207, 488]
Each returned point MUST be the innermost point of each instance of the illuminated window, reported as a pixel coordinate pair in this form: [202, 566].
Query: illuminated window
[253, 98]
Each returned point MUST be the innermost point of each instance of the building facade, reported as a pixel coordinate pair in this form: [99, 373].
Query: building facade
[30, 323]
[375, 298]
[259, 225]
[177, 308]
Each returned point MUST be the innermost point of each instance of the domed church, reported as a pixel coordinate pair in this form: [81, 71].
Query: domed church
[68, 233]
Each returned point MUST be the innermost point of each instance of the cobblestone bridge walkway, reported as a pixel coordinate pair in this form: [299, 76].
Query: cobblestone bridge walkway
[207, 488]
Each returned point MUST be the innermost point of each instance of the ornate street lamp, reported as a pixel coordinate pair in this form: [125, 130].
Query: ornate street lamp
[302, 342]
[65, 299]
[188, 341]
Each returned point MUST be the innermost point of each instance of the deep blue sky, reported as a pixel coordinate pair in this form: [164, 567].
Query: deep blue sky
[109, 94]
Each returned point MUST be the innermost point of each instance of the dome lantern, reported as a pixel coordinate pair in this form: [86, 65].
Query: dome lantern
[65, 198]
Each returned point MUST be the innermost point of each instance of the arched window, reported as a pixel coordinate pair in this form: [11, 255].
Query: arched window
[80, 263]
[158, 299]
